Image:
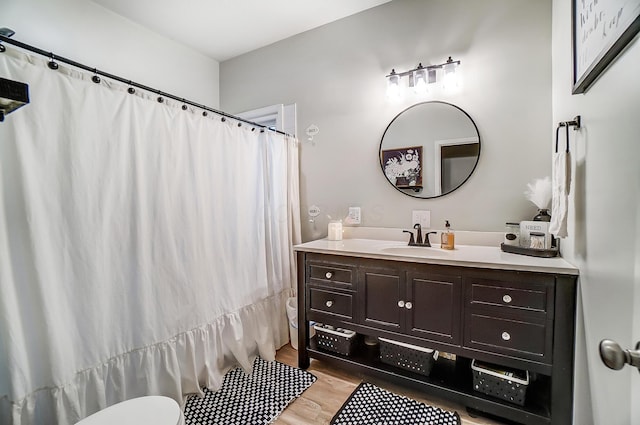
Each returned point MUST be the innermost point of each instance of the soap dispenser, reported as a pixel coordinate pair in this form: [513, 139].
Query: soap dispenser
[447, 238]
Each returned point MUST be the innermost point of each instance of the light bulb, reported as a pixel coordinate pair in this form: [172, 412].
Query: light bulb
[420, 81]
[450, 76]
[393, 86]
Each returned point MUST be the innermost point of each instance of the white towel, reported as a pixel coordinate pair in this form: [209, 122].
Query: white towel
[560, 185]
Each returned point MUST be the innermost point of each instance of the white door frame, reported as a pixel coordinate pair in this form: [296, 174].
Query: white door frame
[437, 180]
[280, 116]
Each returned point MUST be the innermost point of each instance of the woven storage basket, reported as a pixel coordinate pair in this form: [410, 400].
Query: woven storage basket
[497, 381]
[341, 341]
[409, 357]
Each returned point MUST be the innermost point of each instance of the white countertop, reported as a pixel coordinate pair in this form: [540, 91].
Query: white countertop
[491, 257]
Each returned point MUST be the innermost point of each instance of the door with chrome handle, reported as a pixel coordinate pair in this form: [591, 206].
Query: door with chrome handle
[614, 357]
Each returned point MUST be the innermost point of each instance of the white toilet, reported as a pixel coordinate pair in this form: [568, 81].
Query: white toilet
[152, 410]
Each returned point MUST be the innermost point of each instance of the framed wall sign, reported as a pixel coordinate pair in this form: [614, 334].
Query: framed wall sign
[601, 30]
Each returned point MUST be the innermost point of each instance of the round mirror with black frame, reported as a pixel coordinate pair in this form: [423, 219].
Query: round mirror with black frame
[430, 149]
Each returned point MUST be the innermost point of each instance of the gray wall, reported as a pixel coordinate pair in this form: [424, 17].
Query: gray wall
[90, 34]
[604, 222]
[336, 75]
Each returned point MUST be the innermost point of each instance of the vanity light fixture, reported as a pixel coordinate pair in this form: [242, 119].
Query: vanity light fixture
[421, 77]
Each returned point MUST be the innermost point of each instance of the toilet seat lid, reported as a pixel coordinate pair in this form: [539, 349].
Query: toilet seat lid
[157, 410]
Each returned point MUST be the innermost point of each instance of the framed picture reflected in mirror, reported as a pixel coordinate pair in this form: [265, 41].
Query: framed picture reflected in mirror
[402, 166]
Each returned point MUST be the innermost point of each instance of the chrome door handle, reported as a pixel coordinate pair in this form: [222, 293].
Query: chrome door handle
[329, 275]
[401, 304]
[615, 357]
[329, 303]
[408, 305]
[506, 336]
[507, 298]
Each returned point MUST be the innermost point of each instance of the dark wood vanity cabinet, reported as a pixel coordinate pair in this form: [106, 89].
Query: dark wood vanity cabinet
[517, 319]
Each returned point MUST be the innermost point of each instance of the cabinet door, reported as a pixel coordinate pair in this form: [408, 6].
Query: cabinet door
[381, 292]
[434, 311]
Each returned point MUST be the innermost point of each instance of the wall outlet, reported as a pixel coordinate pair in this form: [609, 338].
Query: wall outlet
[354, 215]
[422, 217]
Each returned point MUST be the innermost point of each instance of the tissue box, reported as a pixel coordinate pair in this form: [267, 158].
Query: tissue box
[528, 227]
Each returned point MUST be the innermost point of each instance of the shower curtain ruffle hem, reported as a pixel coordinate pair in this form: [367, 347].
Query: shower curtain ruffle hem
[180, 365]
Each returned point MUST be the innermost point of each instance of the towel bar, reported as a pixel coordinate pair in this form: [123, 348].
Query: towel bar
[575, 123]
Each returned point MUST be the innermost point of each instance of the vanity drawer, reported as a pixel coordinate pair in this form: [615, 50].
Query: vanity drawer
[508, 336]
[332, 274]
[511, 296]
[331, 302]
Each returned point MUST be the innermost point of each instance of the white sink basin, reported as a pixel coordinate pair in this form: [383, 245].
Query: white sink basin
[416, 251]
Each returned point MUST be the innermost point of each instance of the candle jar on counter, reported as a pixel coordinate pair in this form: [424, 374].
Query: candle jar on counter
[512, 234]
[334, 232]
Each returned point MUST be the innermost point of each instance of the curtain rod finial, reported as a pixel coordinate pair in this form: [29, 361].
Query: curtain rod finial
[7, 32]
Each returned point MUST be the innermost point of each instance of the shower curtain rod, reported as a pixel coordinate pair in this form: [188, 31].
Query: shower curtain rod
[53, 57]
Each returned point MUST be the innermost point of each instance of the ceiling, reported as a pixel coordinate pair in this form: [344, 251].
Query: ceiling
[223, 29]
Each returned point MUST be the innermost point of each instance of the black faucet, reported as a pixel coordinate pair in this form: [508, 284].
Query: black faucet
[418, 241]
[412, 242]
[419, 234]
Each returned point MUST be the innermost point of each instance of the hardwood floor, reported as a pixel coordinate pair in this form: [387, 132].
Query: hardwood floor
[320, 402]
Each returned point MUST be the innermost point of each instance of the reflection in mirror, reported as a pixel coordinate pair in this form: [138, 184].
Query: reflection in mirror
[429, 149]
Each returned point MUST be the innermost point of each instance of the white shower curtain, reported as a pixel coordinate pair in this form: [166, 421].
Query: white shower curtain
[144, 249]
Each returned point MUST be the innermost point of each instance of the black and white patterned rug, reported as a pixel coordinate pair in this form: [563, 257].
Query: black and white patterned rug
[371, 405]
[249, 399]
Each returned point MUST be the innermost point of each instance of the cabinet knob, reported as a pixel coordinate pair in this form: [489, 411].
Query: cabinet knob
[401, 304]
[329, 275]
[506, 336]
[507, 298]
[329, 303]
[408, 305]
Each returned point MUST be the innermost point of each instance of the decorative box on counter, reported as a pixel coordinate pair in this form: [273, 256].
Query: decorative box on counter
[409, 357]
[501, 382]
[338, 340]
